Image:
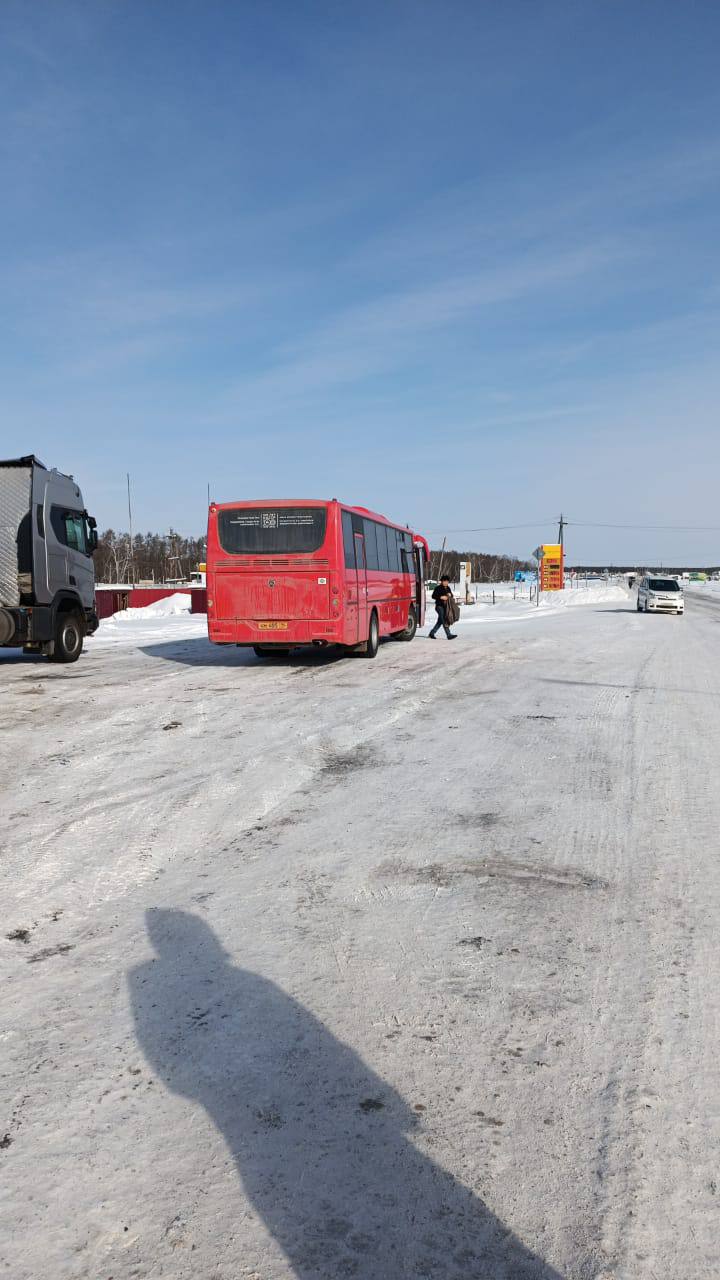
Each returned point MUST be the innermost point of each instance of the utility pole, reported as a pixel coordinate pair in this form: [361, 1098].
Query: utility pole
[132, 561]
[442, 557]
[561, 540]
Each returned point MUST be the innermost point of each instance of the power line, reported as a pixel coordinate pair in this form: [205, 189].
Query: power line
[649, 528]
[498, 528]
[588, 524]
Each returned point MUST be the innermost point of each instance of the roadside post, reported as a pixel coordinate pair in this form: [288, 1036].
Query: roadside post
[465, 580]
[538, 554]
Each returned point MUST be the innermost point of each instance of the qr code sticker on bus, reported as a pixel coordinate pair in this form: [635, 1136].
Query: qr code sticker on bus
[269, 519]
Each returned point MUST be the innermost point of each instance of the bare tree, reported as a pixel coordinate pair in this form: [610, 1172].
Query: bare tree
[155, 556]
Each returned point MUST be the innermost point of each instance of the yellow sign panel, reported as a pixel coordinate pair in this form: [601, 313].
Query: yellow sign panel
[551, 567]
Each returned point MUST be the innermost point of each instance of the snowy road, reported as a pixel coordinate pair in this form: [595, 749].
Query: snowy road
[391, 969]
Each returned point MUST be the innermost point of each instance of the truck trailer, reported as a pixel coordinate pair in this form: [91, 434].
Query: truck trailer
[47, 577]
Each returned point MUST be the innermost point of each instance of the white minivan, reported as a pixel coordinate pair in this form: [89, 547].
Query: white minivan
[660, 595]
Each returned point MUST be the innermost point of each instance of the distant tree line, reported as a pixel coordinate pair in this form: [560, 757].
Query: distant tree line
[485, 567]
[167, 557]
[155, 557]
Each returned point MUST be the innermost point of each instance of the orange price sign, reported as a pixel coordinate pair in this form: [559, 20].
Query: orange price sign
[552, 569]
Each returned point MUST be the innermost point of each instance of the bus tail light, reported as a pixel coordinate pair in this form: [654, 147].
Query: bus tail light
[335, 597]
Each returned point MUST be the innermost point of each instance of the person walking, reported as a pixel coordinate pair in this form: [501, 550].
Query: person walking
[442, 596]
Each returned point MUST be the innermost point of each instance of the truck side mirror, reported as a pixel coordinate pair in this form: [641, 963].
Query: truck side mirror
[92, 532]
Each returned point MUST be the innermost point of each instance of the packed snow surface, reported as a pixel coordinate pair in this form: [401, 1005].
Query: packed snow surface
[387, 969]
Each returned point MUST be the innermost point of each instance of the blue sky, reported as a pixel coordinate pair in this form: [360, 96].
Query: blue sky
[456, 262]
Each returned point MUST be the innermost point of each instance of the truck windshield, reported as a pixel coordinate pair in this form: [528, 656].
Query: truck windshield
[269, 531]
[663, 584]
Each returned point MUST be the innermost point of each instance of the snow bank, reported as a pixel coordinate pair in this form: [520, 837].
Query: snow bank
[165, 620]
[170, 607]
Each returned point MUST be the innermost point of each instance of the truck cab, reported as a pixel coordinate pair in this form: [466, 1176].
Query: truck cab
[47, 577]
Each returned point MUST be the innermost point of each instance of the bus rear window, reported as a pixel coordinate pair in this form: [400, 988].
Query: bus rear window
[268, 531]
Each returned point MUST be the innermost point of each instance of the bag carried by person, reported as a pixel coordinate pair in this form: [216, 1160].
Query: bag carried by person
[452, 610]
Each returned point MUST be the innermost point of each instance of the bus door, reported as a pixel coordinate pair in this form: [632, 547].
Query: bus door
[361, 586]
[419, 584]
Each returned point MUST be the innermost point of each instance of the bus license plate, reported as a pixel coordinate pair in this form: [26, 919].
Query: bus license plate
[273, 626]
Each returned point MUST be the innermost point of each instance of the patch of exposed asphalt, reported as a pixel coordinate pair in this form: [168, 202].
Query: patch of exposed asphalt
[338, 764]
[18, 935]
[61, 950]
[485, 820]
[523, 874]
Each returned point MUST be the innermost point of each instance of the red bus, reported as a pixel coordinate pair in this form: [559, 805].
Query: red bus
[289, 572]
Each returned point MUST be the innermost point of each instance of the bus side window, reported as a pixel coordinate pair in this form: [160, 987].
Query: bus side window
[408, 554]
[393, 538]
[348, 546]
[371, 554]
[400, 548]
[382, 548]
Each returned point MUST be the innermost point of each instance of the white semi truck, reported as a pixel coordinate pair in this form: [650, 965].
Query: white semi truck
[47, 577]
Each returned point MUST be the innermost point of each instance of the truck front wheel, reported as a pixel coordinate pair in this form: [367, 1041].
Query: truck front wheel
[69, 633]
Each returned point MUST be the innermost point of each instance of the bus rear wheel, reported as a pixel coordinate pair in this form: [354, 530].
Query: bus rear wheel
[410, 629]
[269, 651]
[370, 647]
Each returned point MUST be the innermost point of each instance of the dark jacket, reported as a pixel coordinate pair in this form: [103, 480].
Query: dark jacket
[452, 612]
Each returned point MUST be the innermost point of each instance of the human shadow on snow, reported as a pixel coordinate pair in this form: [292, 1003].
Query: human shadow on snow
[322, 1144]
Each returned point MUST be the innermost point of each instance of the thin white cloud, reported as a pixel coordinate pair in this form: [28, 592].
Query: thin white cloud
[609, 191]
[387, 331]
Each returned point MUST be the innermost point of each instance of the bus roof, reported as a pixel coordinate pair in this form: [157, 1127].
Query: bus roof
[307, 502]
[272, 502]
